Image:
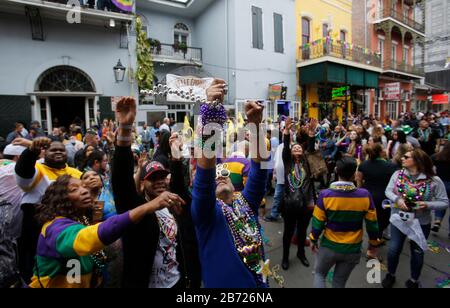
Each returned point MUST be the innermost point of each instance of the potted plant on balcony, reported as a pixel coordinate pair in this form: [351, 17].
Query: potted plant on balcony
[183, 48]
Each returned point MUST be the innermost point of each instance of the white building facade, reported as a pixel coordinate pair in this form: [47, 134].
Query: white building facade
[58, 72]
[248, 43]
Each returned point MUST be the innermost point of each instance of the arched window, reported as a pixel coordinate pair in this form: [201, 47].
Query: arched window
[64, 79]
[181, 33]
[181, 26]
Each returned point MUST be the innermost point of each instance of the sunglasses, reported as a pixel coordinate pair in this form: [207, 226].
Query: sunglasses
[222, 171]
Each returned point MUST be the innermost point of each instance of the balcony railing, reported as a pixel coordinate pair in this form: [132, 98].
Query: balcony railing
[167, 52]
[340, 50]
[397, 15]
[401, 66]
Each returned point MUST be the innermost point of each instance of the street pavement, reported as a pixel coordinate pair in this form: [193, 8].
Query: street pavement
[436, 266]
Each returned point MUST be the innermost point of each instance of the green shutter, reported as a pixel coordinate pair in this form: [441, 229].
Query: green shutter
[278, 31]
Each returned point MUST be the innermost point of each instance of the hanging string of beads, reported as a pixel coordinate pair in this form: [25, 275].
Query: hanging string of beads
[99, 258]
[296, 177]
[211, 112]
[246, 234]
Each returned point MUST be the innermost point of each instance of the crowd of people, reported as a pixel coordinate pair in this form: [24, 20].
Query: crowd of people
[136, 208]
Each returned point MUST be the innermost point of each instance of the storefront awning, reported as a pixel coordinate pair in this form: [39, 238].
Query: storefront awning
[328, 72]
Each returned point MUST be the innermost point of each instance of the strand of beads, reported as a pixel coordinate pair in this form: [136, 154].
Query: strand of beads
[245, 231]
[296, 177]
[211, 112]
[99, 258]
[410, 190]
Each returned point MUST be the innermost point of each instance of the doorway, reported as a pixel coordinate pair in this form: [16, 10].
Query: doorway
[68, 110]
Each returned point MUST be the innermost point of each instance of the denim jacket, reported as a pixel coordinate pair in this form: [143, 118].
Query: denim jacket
[438, 198]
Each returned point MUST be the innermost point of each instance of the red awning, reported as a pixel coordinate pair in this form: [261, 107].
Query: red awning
[440, 99]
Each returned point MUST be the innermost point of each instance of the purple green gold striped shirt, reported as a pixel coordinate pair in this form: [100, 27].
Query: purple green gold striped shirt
[339, 215]
[62, 240]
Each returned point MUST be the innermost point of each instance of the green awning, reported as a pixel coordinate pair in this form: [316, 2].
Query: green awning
[328, 72]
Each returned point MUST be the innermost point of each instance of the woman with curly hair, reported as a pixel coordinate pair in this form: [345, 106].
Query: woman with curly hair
[68, 236]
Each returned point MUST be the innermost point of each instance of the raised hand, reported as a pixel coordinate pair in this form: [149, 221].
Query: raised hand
[312, 127]
[22, 142]
[40, 144]
[254, 112]
[176, 145]
[110, 137]
[216, 91]
[168, 200]
[126, 110]
[288, 126]
[142, 159]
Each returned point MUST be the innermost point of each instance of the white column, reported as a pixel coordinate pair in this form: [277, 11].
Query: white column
[35, 109]
[49, 115]
[86, 113]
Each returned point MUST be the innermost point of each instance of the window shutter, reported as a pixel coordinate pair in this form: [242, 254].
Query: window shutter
[254, 27]
[260, 28]
[278, 21]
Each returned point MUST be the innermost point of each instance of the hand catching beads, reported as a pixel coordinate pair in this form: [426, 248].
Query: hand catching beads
[288, 126]
[216, 91]
[254, 112]
[126, 111]
[176, 146]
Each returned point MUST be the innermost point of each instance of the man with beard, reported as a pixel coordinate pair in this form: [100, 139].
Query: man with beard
[157, 251]
[427, 137]
[227, 226]
[34, 178]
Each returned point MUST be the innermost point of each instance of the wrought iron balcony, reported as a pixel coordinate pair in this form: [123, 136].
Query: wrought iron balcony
[399, 16]
[340, 50]
[404, 67]
[169, 53]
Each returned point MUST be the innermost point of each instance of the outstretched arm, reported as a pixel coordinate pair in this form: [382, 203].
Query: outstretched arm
[26, 172]
[124, 188]
[203, 193]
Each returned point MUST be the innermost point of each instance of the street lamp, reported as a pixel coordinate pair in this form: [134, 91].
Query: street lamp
[119, 71]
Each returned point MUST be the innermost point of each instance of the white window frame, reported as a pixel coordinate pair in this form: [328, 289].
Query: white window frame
[179, 33]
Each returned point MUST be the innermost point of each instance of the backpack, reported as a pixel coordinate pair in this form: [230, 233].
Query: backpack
[8, 248]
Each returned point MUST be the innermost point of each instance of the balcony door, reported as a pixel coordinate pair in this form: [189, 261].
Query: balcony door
[394, 55]
[181, 34]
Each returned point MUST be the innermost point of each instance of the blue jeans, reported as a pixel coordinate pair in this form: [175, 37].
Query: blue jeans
[396, 247]
[277, 197]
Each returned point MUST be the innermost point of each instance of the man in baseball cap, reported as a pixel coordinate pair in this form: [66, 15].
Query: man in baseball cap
[154, 179]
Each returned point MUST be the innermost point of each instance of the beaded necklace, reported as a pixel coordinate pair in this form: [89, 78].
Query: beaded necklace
[99, 257]
[246, 233]
[347, 187]
[296, 177]
[411, 190]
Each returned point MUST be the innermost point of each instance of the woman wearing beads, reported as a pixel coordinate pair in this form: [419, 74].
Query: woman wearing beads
[67, 235]
[415, 190]
[298, 200]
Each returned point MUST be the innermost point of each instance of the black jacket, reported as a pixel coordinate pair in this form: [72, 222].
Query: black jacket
[141, 240]
[307, 189]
